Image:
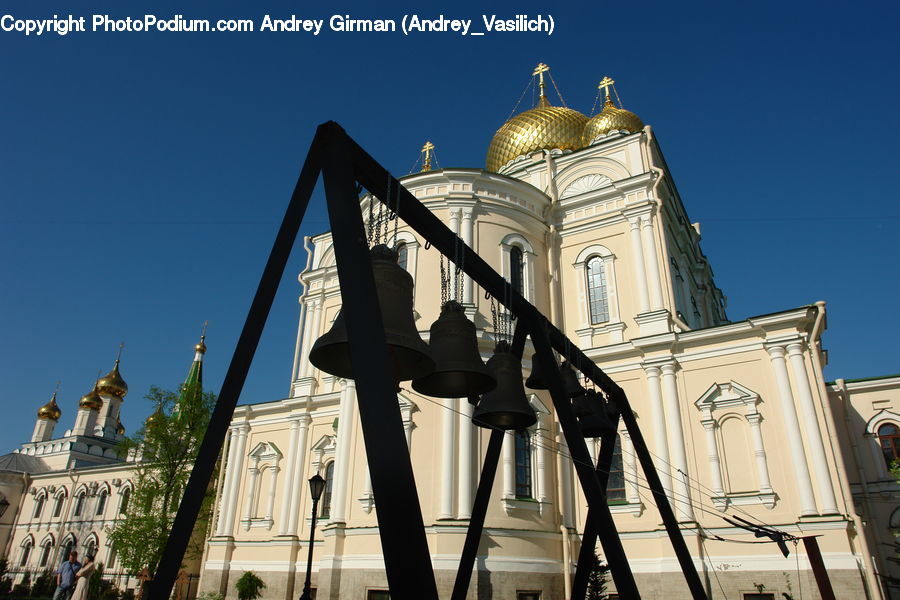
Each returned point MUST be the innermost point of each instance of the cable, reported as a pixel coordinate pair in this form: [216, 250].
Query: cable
[530, 84]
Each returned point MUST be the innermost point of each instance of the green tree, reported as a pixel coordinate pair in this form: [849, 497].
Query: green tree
[597, 579]
[165, 447]
[249, 586]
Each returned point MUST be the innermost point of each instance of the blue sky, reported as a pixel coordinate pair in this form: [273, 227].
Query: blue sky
[143, 175]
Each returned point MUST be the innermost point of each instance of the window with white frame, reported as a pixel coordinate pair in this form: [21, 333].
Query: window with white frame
[325, 510]
[39, 504]
[58, 504]
[46, 549]
[596, 287]
[26, 551]
[101, 501]
[517, 258]
[598, 301]
[523, 465]
[79, 504]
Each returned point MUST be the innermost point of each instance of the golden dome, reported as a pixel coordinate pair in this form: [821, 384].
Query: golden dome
[50, 410]
[609, 119]
[112, 383]
[155, 416]
[120, 429]
[91, 400]
[543, 128]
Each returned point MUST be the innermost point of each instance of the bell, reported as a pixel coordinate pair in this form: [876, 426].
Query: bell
[505, 407]
[570, 380]
[409, 354]
[593, 414]
[459, 370]
[536, 380]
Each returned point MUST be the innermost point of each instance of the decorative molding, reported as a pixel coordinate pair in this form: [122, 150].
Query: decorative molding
[586, 183]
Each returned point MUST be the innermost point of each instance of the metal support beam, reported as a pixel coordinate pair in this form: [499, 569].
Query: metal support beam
[818, 567]
[591, 526]
[483, 494]
[183, 527]
[407, 560]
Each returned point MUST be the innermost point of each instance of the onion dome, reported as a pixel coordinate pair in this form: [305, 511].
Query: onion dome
[155, 416]
[544, 127]
[611, 118]
[112, 383]
[91, 400]
[50, 411]
[120, 429]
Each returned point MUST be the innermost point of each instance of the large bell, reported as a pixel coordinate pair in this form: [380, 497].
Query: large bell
[505, 407]
[536, 380]
[593, 414]
[409, 354]
[570, 380]
[459, 370]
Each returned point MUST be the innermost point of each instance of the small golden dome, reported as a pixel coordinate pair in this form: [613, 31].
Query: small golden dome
[91, 400]
[112, 383]
[201, 347]
[609, 119]
[545, 127]
[120, 429]
[50, 411]
[155, 416]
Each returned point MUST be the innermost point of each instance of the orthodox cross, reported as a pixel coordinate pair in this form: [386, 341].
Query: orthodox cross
[605, 84]
[539, 71]
[426, 160]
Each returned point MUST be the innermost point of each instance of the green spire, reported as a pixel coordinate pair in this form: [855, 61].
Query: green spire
[193, 384]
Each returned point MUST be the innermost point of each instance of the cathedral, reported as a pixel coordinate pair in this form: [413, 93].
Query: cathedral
[580, 213]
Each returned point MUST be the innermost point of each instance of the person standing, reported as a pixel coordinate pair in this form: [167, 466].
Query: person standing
[65, 577]
[84, 578]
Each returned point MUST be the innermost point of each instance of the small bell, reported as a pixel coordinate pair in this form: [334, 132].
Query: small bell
[570, 380]
[593, 414]
[505, 407]
[536, 380]
[409, 354]
[459, 370]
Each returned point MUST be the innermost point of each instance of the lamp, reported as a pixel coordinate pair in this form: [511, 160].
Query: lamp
[316, 487]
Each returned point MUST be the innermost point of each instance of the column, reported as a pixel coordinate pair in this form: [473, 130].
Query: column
[346, 423]
[680, 489]
[759, 451]
[509, 465]
[467, 235]
[656, 295]
[225, 493]
[811, 425]
[297, 482]
[640, 272]
[252, 476]
[792, 428]
[630, 464]
[273, 481]
[235, 479]
[315, 327]
[543, 479]
[448, 457]
[455, 214]
[712, 449]
[284, 521]
[661, 460]
[300, 345]
[466, 480]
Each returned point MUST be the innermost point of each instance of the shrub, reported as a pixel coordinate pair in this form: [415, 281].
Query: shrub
[249, 586]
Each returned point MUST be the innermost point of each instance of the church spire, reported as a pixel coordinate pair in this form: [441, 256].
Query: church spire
[195, 374]
[539, 71]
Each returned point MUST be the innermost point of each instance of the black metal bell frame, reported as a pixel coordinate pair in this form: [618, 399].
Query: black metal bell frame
[459, 370]
[592, 413]
[536, 380]
[506, 406]
[410, 356]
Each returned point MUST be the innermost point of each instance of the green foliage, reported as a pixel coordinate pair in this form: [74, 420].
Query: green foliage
[597, 579]
[167, 447]
[249, 586]
[210, 596]
[44, 584]
[23, 588]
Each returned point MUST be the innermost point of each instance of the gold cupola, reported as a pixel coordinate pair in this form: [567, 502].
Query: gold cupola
[544, 127]
[611, 118]
[50, 411]
[120, 429]
[112, 383]
[91, 400]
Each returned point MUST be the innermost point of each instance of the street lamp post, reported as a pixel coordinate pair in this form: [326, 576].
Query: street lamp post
[316, 487]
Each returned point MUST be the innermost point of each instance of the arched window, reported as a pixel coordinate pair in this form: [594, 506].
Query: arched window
[101, 502]
[39, 505]
[67, 548]
[90, 549]
[79, 505]
[123, 505]
[325, 512]
[58, 506]
[516, 269]
[889, 438]
[26, 552]
[615, 485]
[598, 301]
[45, 553]
[402, 255]
[523, 464]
